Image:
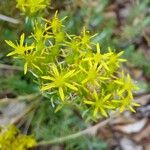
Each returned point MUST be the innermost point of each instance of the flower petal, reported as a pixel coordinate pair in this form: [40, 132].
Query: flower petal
[61, 93]
[25, 67]
[71, 86]
[47, 87]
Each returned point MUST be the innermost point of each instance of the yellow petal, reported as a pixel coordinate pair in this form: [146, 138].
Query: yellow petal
[71, 86]
[37, 68]
[103, 112]
[122, 60]
[136, 104]
[55, 70]
[95, 95]
[103, 78]
[119, 54]
[58, 108]
[107, 97]
[48, 78]
[61, 93]
[98, 48]
[119, 82]
[22, 39]
[105, 66]
[25, 67]
[85, 80]
[69, 74]
[132, 109]
[11, 53]
[10, 43]
[89, 102]
[95, 111]
[47, 87]
[83, 69]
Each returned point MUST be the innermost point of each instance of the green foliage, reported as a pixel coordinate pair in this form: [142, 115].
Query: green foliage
[30, 7]
[138, 60]
[137, 21]
[17, 85]
[11, 138]
[66, 122]
[73, 69]
[93, 17]
[86, 143]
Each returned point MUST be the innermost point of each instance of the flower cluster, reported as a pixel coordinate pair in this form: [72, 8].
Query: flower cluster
[71, 68]
[31, 6]
[11, 138]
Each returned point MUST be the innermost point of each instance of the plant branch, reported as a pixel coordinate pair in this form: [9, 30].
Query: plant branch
[24, 113]
[20, 98]
[89, 131]
[16, 119]
[9, 67]
[9, 19]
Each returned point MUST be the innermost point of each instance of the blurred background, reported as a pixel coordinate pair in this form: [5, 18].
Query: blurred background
[120, 24]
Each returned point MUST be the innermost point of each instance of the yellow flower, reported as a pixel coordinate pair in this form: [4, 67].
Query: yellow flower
[12, 139]
[86, 38]
[101, 59]
[56, 23]
[74, 43]
[125, 85]
[124, 91]
[59, 80]
[85, 69]
[93, 73]
[100, 103]
[126, 103]
[114, 59]
[30, 61]
[31, 6]
[19, 49]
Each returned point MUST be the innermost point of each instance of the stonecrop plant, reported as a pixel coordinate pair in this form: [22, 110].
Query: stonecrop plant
[70, 69]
